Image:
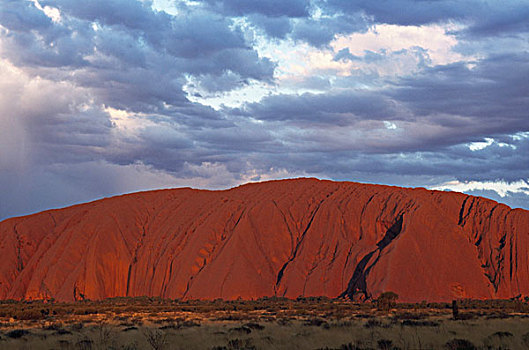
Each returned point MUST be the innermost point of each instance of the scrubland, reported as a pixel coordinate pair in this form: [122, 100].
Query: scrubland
[268, 323]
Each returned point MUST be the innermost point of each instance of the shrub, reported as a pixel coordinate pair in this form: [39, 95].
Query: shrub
[240, 344]
[315, 322]
[386, 301]
[410, 316]
[373, 323]
[130, 346]
[525, 339]
[255, 326]
[460, 344]
[283, 321]
[62, 331]
[64, 344]
[104, 336]
[466, 316]
[156, 339]
[414, 323]
[190, 323]
[53, 326]
[501, 334]
[499, 340]
[30, 314]
[385, 344]
[77, 326]
[84, 344]
[17, 333]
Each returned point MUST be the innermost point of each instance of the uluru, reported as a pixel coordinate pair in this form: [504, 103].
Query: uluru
[288, 238]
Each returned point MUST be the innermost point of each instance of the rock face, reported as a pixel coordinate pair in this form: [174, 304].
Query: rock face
[302, 237]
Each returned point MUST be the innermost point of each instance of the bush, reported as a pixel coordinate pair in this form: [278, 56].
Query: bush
[156, 339]
[372, 323]
[62, 331]
[242, 329]
[525, 339]
[30, 314]
[17, 333]
[386, 301]
[53, 326]
[501, 334]
[77, 326]
[499, 340]
[240, 344]
[84, 344]
[385, 344]
[413, 323]
[253, 325]
[460, 344]
[315, 322]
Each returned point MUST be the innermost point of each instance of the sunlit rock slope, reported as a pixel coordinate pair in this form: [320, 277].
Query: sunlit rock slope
[301, 237]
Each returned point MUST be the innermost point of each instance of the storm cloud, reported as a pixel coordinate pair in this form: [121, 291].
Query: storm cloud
[105, 97]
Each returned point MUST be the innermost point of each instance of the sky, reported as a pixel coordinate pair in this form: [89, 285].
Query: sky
[104, 97]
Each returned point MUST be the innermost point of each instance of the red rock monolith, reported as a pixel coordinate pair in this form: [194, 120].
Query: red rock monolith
[300, 237]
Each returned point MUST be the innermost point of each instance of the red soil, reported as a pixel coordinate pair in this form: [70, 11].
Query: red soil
[302, 237]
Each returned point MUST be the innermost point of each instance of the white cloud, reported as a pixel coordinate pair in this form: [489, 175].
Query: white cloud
[502, 188]
[390, 125]
[476, 146]
[254, 91]
[214, 175]
[53, 13]
[520, 136]
[127, 123]
[402, 50]
[434, 38]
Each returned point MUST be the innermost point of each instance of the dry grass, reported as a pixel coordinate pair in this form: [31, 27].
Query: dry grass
[277, 323]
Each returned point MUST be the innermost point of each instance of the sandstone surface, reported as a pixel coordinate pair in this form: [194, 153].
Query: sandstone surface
[300, 237]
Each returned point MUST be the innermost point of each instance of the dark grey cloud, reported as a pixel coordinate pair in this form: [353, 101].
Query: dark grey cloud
[505, 20]
[488, 99]
[407, 12]
[271, 8]
[275, 27]
[483, 18]
[118, 54]
[33, 18]
[123, 43]
[332, 108]
[294, 19]
[421, 55]
[494, 163]
[493, 94]
[45, 46]
[131, 14]
[346, 55]
[60, 144]
[319, 32]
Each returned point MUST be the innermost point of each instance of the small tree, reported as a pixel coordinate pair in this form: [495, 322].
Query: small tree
[156, 339]
[386, 301]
